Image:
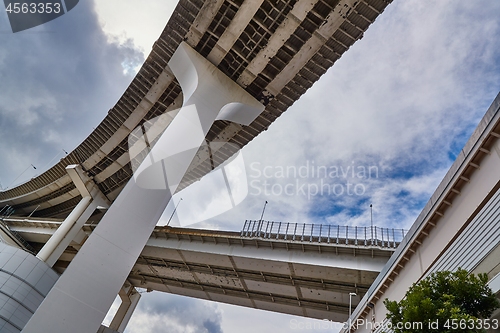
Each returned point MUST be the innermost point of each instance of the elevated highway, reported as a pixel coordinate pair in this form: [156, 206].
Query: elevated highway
[304, 275]
[238, 65]
[274, 49]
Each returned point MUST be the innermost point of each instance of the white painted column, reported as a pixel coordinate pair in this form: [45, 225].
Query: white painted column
[63, 229]
[130, 298]
[67, 231]
[83, 294]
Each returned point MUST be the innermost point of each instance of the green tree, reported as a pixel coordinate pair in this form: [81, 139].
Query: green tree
[456, 302]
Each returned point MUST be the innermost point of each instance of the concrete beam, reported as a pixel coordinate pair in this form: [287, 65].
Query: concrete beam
[244, 15]
[312, 46]
[202, 21]
[277, 40]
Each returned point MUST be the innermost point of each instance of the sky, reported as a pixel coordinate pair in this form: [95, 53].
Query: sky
[401, 102]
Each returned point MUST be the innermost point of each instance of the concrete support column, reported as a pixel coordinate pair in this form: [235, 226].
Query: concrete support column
[130, 298]
[84, 293]
[92, 197]
[63, 230]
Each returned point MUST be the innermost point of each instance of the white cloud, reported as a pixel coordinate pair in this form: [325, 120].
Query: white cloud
[141, 22]
[404, 98]
[57, 82]
[174, 314]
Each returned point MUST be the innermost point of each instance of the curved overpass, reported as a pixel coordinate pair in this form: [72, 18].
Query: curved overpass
[274, 49]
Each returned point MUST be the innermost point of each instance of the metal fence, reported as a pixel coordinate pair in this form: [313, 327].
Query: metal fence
[7, 211]
[318, 233]
[5, 228]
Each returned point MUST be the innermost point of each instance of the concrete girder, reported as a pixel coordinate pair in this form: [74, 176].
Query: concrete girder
[202, 21]
[312, 46]
[277, 40]
[233, 31]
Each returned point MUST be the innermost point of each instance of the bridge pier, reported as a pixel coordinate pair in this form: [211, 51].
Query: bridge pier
[84, 293]
[130, 298]
[92, 198]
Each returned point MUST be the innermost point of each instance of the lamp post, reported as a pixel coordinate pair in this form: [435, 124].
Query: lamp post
[30, 166]
[261, 217]
[371, 220]
[175, 208]
[350, 307]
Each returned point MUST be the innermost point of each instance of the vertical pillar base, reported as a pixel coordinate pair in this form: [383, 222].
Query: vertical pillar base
[130, 298]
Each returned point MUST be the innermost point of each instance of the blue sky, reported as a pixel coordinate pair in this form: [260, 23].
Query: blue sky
[403, 99]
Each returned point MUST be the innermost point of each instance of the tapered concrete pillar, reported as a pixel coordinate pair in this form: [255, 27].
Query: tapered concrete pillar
[83, 294]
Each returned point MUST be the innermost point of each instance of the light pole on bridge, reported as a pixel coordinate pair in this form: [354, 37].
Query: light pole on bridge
[350, 306]
[261, 217]
[371, 220]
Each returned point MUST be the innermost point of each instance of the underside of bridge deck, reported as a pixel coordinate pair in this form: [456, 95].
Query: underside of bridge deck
[305, 278]
[274, 49]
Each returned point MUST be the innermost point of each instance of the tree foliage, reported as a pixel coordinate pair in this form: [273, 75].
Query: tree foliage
[456, 302]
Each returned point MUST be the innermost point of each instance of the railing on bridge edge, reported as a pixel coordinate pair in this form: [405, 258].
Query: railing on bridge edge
[17, 236]
[318, 233]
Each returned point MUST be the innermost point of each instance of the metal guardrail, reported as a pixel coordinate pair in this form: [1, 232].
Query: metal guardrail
[319, 233]
[21, 241]
[7, 211]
